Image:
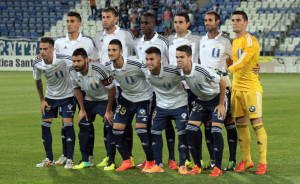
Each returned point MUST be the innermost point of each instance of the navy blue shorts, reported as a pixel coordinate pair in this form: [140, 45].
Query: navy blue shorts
[191, 99]
[93, 108]
[126, 110]
[161, 117]
[204, 111]
[66, 107]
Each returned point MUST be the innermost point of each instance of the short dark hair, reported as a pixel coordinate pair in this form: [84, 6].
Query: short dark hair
[182, 14]
[116, 42]
[80, 52]
[212, 12]
[151, 16]
[185, 48]
[154, 50]
[241, 13]
[112, 10]
[48, 40]
[74, 14]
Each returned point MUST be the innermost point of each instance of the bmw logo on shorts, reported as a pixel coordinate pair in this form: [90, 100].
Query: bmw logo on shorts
[183, 116]
[251, 108]
[70, 107]
[142, 112]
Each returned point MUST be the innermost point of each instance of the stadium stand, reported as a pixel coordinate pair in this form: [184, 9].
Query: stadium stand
[278, 20]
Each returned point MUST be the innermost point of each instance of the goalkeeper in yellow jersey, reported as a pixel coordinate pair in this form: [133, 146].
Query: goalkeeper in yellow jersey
[246, 100]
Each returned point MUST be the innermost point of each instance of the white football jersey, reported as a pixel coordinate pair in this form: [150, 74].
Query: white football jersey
[95, 84]
[157, 41]
[132, 80]
[58, 80]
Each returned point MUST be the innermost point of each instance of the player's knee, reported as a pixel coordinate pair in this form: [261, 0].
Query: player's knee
[217, 124]
[197, 123]
[242, 120]
[119, 126]
[140, 125]
[255, 121]
[67, 120]
[229, 120]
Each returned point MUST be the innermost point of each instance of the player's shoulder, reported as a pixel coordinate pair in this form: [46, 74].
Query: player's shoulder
[99, 34]
[171, 37]
[63, 56]
[250, 40]
[226, 37]
[203, 70]
[37, 62]
[136, 63]
[88, 38]
[171, 69]
[128, 32]
[108, 63]
[195, 36]
[98, 68]
[163, 39]
[60, 38]
[72, 69]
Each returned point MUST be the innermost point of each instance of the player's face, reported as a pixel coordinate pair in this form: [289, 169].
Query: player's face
[152, 61]
[210, 23]
[147, 25]
[180, 24]
[114, 52]
[79, 63]
[108, 20]
[73, 24]
[182, 59]
[238, 23]
[46, 50]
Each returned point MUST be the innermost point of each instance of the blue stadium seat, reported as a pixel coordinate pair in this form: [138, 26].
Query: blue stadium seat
[297, 48]
[268, 10]
[294, 53]
[202, 33]
[276, 10]
[285, 53]
[260, 10]
[161, 29]
[277, 53]
[208, 5]
[231, 10]
[282, 10]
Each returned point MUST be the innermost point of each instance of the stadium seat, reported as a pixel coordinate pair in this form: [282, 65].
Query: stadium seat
[277, 53]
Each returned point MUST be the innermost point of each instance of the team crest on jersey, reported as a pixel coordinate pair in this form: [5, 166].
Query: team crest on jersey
[183, 116]
[251, 108]
[142, 112]
[70, 107]
[101, 40]
[239, 52]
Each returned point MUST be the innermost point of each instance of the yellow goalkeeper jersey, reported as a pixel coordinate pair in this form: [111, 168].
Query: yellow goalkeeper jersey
[245, 53]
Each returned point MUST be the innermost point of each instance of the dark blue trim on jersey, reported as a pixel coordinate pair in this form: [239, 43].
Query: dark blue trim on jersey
[138, 64]
[108, 63]
[204, 72]
[60, 56]
[225, 36]
[164, 39]
[37, 60]
[71, 68]
[100, 71]
[171, 70]
[89, 38]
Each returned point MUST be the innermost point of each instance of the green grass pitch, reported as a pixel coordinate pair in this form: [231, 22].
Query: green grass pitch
[21, 147]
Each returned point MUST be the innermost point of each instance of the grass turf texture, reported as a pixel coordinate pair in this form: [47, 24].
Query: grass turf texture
[21, 147]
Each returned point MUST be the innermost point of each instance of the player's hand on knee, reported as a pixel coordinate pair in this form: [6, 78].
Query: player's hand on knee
[221, 111]
[256, 69]
[44, 105]
[82, 114]
[109, 116]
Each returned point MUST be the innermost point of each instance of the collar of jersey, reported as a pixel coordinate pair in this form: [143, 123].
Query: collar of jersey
[123, 67]
[115, 32]
[192, 71]
[216, 38]
[78, 39]
[186, 36]
[152, 40]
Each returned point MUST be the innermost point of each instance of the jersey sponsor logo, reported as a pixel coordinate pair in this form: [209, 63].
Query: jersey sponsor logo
[198, 86]
[239, 52]
[101, 40]
[65, 47]
[94, 85]
[251, 108]
[166, 84]
[107, 81]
